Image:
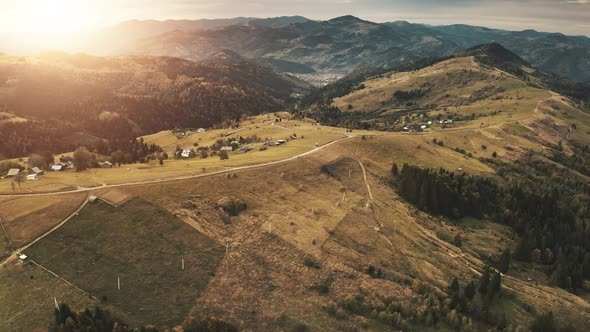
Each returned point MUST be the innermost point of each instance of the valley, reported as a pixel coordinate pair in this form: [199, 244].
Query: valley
[270, 174]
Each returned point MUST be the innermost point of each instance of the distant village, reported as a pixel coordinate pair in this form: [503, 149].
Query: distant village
[38, 165]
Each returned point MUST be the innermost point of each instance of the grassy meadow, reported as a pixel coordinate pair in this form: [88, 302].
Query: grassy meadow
[142, 245]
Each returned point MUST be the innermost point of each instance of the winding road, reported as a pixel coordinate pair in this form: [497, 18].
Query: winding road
[186, 177]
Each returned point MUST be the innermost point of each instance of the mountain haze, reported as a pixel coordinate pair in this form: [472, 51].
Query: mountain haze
[335, 47]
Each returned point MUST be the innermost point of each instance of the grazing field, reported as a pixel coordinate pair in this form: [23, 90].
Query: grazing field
[142, 245]
[308, 137]
[26, 218]
[27, 297]
[418, 150]
[5, 248]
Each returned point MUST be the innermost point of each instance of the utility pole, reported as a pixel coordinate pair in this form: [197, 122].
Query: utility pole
[183, 263]
[118, 283]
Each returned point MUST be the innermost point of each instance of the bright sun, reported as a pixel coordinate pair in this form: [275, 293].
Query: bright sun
[54, 20]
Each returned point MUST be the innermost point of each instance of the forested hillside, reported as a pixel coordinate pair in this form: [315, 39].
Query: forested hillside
[73, 100]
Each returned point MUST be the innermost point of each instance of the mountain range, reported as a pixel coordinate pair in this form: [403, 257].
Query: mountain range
[322, 51]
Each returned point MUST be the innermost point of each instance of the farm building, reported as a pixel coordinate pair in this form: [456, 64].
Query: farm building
[32, 177]
[58, 167]
[187, 153]
[106, 164]
[226, 148]
[246, 149]
[37, 170]
[13, 172]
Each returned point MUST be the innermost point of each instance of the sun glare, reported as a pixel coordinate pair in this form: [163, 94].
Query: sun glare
[54, 20]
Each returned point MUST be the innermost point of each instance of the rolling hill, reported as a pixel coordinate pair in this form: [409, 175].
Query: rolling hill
[450, 194]
[487, 80]
[116, 97]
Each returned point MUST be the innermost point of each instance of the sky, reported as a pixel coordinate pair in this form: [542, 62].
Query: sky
[50, 21]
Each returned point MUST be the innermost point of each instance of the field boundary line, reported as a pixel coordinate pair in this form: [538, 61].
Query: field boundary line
[78, 288]
[7, 237]
[42, 236]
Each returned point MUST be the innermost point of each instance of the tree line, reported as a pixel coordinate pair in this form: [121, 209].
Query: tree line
[67, 319]
[549, 213]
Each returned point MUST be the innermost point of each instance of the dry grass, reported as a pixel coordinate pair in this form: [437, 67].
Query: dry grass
[143, 246]
[263, 282]
[308, 136]
[27, 297]
[27, 218]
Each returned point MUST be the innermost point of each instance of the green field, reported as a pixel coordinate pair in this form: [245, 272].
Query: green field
[143, 246]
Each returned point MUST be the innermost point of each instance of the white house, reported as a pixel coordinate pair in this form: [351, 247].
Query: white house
[106, 164]
[32, 177]
[13, 172]
[58, 167]
[187, 153]
[226, 148]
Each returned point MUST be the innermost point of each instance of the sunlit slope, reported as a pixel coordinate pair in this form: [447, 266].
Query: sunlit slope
[472, 107]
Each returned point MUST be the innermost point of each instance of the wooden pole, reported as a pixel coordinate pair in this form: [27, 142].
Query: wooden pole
[118, 283]
[183, 263]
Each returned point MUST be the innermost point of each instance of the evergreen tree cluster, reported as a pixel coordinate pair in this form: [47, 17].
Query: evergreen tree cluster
[551, 214]
[99, 320]
[410, 94]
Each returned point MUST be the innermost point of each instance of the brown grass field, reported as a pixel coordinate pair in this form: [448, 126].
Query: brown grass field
[143, 246]
[308, 222]
[27, 218]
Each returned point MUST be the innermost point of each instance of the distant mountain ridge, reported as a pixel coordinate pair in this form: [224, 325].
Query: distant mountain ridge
[317, 49]
[115, 39]
[337, 46]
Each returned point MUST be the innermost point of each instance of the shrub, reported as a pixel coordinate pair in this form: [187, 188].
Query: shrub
[309, 262]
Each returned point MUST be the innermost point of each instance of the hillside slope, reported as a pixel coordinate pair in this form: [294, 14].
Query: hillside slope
[568, 56]
[481, 87]
[115, 97]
